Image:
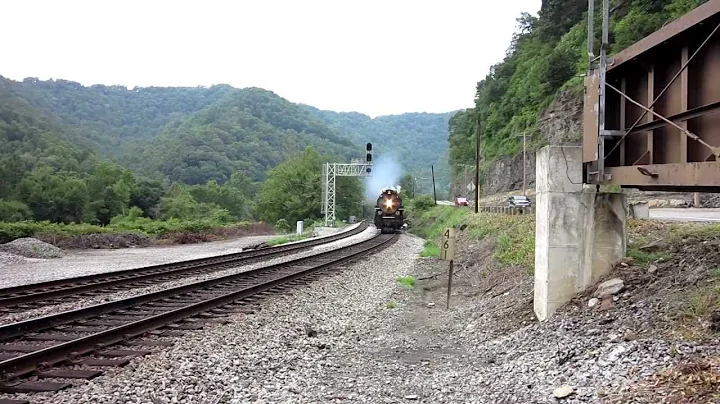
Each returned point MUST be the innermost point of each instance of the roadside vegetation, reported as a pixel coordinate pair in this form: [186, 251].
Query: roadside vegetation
[124, 233]
[290, 236]
[514, 235]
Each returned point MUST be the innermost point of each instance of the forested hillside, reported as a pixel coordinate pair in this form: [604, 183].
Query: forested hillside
[249, 131]
[104, 154]
[416, 140]
[45, 176]
[545, 58]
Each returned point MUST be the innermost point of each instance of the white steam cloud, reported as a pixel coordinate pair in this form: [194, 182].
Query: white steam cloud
[386, 172]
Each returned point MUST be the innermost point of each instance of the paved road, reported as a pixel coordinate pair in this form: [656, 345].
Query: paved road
[686, 214]
[675, 214]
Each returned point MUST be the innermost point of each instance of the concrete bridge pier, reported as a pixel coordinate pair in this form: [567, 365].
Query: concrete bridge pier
[579, 233]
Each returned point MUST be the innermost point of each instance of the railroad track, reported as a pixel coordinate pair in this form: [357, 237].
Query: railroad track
[42, 353]
[26, 297]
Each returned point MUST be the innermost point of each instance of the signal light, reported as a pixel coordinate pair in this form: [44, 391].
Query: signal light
[368, 157]
[367, 170]
[368, 147]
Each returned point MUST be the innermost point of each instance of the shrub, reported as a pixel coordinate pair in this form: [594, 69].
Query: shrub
[282, 225]
[14, 211]
[422, 203]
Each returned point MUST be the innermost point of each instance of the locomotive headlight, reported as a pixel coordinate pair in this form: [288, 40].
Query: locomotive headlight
[388, 203]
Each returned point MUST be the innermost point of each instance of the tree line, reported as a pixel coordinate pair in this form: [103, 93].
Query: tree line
[547, 55]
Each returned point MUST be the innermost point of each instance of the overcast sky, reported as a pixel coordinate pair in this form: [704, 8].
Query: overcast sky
[375, 57]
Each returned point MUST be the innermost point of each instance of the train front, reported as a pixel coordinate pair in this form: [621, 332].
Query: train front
[389, 211]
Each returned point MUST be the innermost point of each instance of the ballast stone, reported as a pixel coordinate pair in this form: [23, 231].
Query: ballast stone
[609, 288]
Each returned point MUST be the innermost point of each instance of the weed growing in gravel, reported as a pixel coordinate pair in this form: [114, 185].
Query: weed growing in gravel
[701, 303]
[287, 239]
[407, 282]
[391, 305]
[643, 257]
[431, 249]
[642, 232]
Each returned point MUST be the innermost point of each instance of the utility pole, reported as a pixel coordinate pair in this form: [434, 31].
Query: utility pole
[477, 165]
[524, 134]
[465, 183]
[432, 170]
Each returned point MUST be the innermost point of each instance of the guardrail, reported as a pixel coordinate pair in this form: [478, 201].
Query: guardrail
[508, 210]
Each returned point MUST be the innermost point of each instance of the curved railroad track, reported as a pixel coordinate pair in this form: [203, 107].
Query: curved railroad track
[39, 354]
[26, 297]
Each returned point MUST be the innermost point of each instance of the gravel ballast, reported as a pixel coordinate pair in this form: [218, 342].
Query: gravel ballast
[79, 263]
[88, 262]
[7, 259]
[358, 336]
[72, 305]
[267, 356]
[29, 247]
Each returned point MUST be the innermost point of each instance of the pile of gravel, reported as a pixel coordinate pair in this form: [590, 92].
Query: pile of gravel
[31, 248]
[10, 259]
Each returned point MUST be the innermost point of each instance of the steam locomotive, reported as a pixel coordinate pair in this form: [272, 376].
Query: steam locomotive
[389, 211]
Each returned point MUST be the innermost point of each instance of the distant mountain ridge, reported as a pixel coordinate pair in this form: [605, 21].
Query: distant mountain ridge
[417, 140]
[196, 134]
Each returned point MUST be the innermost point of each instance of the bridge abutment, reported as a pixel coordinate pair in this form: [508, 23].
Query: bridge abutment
[579, 233]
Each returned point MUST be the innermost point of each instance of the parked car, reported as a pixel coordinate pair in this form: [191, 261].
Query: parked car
[461, 202]
[519, 201]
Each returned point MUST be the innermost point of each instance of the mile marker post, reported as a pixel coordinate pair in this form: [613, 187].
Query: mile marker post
[447, 253]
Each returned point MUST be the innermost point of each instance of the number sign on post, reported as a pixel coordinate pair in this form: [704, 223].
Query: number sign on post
[447, 244]
[447, 252]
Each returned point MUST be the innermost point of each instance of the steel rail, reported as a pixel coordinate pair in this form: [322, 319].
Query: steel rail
[28, 363]
[40, 323]
[43, 291]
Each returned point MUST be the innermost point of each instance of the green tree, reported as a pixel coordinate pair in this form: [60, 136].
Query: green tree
[146, 195]
[14, 211]
[545, 57]
[56, 197]
[110, 188]
[406, 186]
[227, 197]
[292, 190]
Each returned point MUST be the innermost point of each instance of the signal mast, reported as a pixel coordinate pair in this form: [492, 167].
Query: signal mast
[356, 168]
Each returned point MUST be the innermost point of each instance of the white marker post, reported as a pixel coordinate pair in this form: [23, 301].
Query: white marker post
[299, 229]
[447, 252]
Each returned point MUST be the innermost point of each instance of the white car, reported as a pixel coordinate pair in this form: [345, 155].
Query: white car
[519, 201]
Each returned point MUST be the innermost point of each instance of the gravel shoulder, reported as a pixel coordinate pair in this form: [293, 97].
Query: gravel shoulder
[81, 262]
[359, 336]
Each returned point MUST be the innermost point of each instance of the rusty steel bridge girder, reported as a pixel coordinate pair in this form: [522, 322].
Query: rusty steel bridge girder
[661, 126]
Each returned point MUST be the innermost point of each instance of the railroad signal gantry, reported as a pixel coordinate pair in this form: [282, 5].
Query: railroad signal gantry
[356, 168]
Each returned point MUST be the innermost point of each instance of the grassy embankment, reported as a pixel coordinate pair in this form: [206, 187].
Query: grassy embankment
[514, 235]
